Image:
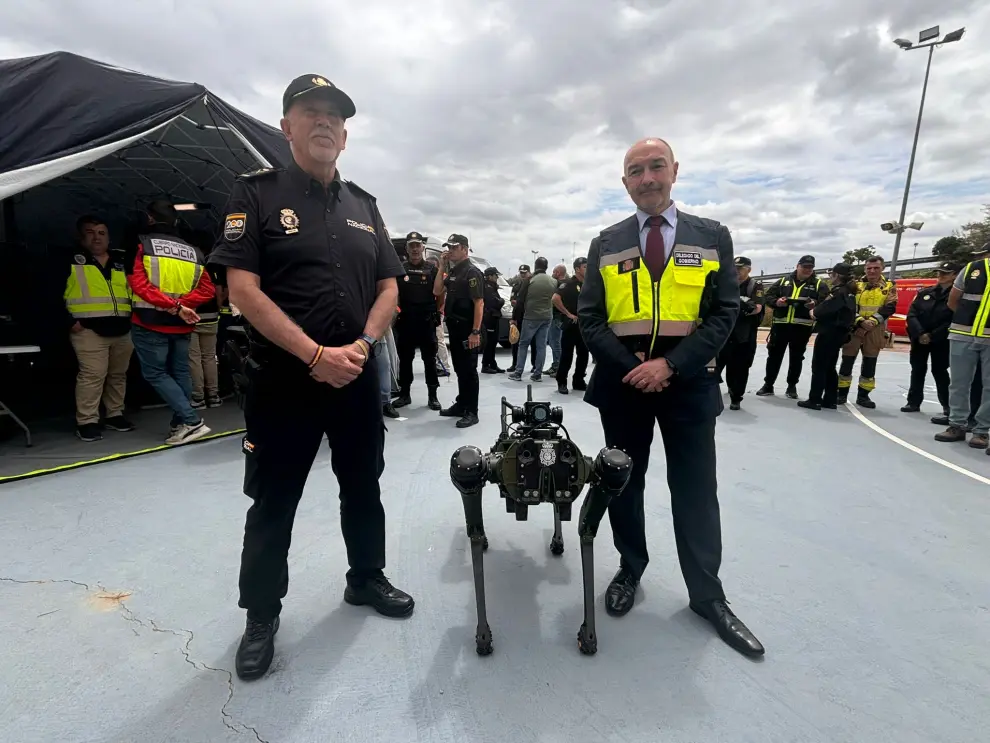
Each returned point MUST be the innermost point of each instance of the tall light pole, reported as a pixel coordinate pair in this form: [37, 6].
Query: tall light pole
[929, 38]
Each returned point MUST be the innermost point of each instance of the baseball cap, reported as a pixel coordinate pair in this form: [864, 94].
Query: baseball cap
[524, 268]
[305, 84]
[743, 261]
[456, 239]
[842, 269]
[949, 267]
[807, 260]
[582, 261]
[414, 237]
[491, 271]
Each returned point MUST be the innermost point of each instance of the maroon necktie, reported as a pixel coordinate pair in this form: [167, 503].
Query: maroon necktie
[655, 255]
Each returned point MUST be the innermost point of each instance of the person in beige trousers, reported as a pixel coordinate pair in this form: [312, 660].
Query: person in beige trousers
[98, 302]
[203, 353]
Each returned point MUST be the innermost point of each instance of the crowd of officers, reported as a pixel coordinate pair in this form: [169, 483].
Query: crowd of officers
[153, 298]
[947, 325]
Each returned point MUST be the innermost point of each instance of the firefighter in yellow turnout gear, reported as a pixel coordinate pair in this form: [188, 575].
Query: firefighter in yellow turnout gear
[875, 303]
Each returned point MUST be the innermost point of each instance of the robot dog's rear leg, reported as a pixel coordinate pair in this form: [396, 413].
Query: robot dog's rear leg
[612, 468]
[557, 543]
[479, 543]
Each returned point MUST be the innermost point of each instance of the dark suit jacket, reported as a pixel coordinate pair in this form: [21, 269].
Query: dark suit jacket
[691, 355]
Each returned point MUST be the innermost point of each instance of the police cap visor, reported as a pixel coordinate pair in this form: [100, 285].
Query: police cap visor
[306, 85]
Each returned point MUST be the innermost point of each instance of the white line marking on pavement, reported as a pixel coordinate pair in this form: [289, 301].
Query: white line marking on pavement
[911, 447]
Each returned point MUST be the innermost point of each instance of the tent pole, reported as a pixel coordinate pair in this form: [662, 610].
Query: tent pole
[250, 147]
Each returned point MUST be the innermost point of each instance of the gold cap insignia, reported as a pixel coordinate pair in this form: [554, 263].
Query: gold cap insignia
[320, 81]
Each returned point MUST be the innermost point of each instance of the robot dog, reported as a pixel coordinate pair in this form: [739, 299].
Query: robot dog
[532, 463]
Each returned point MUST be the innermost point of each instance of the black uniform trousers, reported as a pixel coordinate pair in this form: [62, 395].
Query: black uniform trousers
[824, 361]
[735, 359]
[415, 331]
[938, 355]
[465, 363]
[786, 337]
[286, 415]
[686, 413]
[491, 336]
[571, 344]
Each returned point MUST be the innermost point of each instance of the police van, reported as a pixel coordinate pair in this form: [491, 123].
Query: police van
[433, 252]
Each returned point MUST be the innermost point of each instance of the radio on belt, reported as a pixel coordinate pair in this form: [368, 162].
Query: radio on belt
[534, 461]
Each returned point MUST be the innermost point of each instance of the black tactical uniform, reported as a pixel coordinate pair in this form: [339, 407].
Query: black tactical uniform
[736, 356]
[929, 315]
[792, 325]
[465, 285]
[319, 253]
[493, 314]
[833, 321]
[416, 328]
[571, 342]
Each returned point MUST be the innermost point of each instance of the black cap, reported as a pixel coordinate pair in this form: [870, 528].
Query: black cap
[524, 268]
[456, 239]
[807, 260]
[949, 267]
[578, 262]
[310, 84]
[491, 271]
[743, 261]
[842, 269]
[414, 237]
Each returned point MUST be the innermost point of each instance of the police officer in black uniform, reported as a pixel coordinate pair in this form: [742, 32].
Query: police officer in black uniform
[493, 314]
[736, 356]
[310, 265]
[928, 321]
[464, 310]
[416, 328]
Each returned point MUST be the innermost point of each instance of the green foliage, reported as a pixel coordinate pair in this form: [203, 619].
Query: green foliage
[959, 246]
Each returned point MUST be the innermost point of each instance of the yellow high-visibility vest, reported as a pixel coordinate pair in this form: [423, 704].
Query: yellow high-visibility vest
[89, 294]
[172, 265]
[973, 311]
[638, 305]
[871, 299]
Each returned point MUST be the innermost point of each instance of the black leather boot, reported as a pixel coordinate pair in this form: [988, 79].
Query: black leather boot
[382, 596]
[257, 648]
[434, 402]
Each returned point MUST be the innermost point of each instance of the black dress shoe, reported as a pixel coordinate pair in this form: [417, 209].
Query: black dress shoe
[454, 411]
[257, 648]
[809, 404]
[401, 401]
[729, 627]
[382, 596]
[579, 385]
[621, 593]
[390, 412]
[467, 420]
[791, 392]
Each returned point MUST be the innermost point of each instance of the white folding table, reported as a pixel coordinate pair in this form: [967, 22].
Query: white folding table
[10, 352]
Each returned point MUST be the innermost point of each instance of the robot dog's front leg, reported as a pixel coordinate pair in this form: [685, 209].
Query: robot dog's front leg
[557, 542]
[468, 472]
[610, 473]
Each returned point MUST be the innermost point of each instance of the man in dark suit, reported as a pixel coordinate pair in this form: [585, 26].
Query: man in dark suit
[660, 299]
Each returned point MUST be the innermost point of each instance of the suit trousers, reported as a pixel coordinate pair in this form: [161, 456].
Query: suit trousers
[287, 414]
[686, 413]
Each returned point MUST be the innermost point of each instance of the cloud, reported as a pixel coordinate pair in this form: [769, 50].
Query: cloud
[507, 121]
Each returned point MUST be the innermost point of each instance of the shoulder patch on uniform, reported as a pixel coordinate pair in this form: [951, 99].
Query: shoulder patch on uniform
[472, 282]
[234, 226]
[259, 172]
[355, 187]
[79, 258]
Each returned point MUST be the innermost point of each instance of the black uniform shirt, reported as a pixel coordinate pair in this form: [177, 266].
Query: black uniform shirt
[416, 288]
[319, 251]
[465, 283]
[569, 292]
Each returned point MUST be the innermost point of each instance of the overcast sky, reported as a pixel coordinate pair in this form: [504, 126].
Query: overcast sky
[507, 121]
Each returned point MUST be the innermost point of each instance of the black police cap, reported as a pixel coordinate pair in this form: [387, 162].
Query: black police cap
[318, 85]
[807, 260]
[743, 261]
[456, 239]
[524, 268]
[491, 271]
[949, 267]
[842, 269]
[414, 237]
[578, 262]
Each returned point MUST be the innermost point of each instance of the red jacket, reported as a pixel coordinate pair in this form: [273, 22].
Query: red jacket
[141, 285]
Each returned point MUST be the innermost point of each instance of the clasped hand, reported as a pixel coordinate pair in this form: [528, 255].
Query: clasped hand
[650, 376]
[340, 365]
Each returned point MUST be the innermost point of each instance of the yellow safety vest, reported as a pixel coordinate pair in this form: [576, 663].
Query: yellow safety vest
[88, 294]
[973, 310]
[871, 299]
[172, 265]
[637, 305]
[788, 315]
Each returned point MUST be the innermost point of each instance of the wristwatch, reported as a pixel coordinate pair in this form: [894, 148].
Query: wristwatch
[369, 340]
[475, 332]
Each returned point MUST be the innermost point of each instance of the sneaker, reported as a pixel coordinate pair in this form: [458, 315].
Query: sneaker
[197, 404]
[515, 377]
[187, 432]
[765, 391]
[89, 432]
[214, 401]
[536, 378]
[118, 423]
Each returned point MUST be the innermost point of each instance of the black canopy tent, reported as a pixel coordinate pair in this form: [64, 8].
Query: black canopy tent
[83, 137]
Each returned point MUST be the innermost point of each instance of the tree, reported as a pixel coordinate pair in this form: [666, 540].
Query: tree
[856, 258]
[977, 234]
[952, 248]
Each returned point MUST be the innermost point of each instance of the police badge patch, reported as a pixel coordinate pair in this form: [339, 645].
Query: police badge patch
[289, 221]
[547, 454]
[234, 226]
[79, 258]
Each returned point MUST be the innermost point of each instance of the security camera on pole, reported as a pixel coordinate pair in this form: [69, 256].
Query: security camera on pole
[929, 38]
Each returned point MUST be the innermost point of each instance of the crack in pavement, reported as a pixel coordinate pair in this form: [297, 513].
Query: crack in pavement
[229, 722]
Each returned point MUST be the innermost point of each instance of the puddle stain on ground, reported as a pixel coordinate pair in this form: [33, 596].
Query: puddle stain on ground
[107, 600]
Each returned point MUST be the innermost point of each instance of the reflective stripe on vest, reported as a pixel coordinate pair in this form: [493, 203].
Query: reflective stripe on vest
[174, 267]
[871, 299]
[973, 310]
[88, 293]
[789, 318]
[637, 305]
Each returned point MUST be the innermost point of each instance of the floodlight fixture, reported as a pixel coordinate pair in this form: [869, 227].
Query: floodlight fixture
[903, 43]
[953, 36]
[928, 34]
